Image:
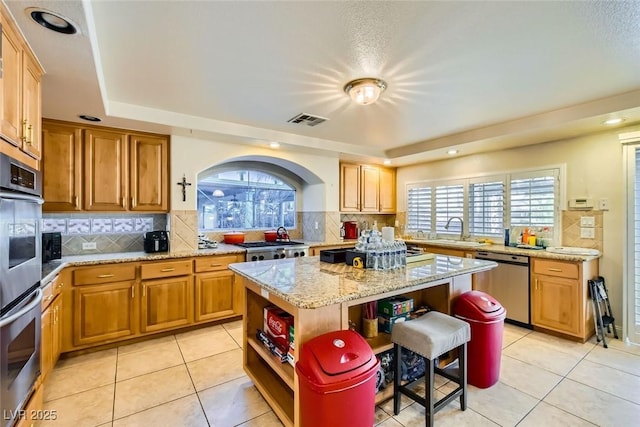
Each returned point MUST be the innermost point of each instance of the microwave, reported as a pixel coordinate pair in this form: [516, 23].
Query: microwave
[51, 246]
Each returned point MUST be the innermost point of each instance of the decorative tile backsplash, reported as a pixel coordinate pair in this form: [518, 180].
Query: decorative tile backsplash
[110, 232]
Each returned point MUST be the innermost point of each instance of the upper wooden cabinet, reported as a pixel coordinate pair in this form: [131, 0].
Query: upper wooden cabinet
[365, 188]
[103, 169]
[20, 95]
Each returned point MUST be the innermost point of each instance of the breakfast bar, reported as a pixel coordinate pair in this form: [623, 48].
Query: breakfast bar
[324, 297]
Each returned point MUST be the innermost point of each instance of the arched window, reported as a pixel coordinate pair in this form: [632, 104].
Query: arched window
[244, 199]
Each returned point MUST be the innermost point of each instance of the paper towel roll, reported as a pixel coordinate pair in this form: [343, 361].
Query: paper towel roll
[388, 233]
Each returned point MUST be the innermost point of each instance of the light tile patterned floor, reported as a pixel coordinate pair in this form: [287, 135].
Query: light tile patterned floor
[196, 379]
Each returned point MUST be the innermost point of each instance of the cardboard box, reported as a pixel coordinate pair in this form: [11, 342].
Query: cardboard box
[395, 306]
[277, 323]
[385, 323]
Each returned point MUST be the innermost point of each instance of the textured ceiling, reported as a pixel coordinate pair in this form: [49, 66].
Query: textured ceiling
[474, 75]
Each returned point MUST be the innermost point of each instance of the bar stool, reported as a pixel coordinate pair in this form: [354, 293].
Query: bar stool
[431, 336]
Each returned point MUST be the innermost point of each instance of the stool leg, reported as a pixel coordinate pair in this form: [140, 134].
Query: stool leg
[428, 384]
[462, 370]
[397, 377]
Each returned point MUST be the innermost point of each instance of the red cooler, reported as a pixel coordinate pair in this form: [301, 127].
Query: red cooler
[486, 316]
[337, 377]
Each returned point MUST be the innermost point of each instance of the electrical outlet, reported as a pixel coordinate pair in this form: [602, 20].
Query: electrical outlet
[587, 221]
[587, 233]
[87, 246]
[604, 204]
[316, 225]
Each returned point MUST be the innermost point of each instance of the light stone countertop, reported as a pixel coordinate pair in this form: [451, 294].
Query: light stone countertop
[309, 283]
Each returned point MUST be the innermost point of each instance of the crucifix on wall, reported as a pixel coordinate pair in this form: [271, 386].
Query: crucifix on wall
[184, 185]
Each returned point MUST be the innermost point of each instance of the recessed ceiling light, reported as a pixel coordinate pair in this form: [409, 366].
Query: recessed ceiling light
[387, 162]
[612, 122]
[52, 21]
[90, 118]
[452, 152]
[274, 144]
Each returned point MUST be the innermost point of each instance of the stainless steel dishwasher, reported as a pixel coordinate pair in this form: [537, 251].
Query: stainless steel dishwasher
[509, 284]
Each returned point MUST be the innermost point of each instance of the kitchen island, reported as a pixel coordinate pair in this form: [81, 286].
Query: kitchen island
[327, 297]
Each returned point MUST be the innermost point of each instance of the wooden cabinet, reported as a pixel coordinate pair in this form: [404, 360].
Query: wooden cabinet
[365, 188]
[62, 167]
[217, 293]
[103, 169]
[51, 328]
[167, 295]
[105, 304]
[20, 95]
[315, 250]
[31, 415]
[147, 173]
[559, 296]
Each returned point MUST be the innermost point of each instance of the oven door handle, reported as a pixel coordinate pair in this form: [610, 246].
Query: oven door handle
[36, 301]
[18, 196]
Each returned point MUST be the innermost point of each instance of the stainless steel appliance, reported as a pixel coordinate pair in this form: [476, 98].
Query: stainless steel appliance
[20, 294]
[258, 251]
[51, 246]
[156, 241]
[509, 284]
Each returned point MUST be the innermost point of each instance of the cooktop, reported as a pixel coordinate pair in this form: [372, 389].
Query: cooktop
[267, 244]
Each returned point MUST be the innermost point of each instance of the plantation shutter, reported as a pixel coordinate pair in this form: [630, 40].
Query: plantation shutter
[534, 199]
[486, 208]
[449, 203]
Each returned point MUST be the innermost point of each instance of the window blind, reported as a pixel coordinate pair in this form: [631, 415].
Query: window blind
[533, 200]
[449, 203]
[419, 209]
[486, 208]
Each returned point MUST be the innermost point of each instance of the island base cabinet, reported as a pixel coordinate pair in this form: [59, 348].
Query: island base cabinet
[166, 303]
[104, 312]
[214, 295]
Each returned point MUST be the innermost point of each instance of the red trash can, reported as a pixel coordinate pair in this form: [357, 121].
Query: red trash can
[337, 378]
[486, 316]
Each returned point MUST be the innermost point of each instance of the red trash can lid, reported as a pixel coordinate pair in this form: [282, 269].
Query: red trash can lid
[477, 305]
[336, 353]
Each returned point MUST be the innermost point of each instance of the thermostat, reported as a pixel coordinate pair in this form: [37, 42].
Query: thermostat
[582, 203]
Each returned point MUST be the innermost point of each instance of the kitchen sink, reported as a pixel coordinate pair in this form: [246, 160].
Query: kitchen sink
[451, 242]
[568, 250]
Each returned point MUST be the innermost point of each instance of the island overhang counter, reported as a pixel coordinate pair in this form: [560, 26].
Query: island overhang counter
[324, 297]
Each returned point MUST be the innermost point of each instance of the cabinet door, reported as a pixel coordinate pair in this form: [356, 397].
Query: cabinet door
[104, 312]
[61, 167]
[149, 173]
[56, 330]
[31, 108]
[105, 170]
[214, 295]
[387, 190]
[45, 342]
[554, 304]
[349, 188]
[369, 189]
[10, 119]
[166, 303]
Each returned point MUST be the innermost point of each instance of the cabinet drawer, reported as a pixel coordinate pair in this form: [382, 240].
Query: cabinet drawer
[47, 295]
[556, 268]
[104, 274]
[216, 263]
[165, 269]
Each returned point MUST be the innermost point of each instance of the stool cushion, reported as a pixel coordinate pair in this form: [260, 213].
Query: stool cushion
[432, 334]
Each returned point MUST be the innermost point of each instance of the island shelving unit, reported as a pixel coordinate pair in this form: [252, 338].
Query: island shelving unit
[328, 297]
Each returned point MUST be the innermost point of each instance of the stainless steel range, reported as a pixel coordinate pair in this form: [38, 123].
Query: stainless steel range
[258, 251]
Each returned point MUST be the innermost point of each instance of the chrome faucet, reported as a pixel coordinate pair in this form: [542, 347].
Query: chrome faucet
[446, 227]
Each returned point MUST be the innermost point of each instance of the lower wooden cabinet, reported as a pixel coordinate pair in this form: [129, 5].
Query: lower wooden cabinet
[104, 312]
[32, 412]
[214, 295]
[51, 334]
[166, 303]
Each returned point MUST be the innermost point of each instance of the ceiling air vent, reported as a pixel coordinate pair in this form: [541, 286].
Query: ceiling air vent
[307, 119]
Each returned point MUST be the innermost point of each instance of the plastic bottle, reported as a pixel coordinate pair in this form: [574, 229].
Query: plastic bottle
[525, 236]
[532, 238]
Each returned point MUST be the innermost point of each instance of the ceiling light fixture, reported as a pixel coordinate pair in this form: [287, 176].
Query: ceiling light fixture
[218, 193]
[612, 122]
[452, 152]
[365, 91]
[90, 118]
[274, 144]
[387, 162]
[52, 21]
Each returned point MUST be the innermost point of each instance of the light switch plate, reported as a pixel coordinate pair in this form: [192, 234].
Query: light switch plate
[587, 221]
[587, 233]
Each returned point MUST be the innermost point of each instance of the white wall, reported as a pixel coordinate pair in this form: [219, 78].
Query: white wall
[594, 169]
[189, 156]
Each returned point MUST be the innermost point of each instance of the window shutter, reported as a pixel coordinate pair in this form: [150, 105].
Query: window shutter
[486, 208]
[533, 200]
[636, 247]
[449, 203]
[419, 209]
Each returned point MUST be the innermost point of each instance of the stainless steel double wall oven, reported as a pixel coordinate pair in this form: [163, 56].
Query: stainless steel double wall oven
[20, 274]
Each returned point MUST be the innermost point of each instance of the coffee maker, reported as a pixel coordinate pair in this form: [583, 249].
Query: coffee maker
[350, 230]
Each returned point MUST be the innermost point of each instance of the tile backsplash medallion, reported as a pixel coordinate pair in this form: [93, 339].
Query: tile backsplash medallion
[110, 232]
